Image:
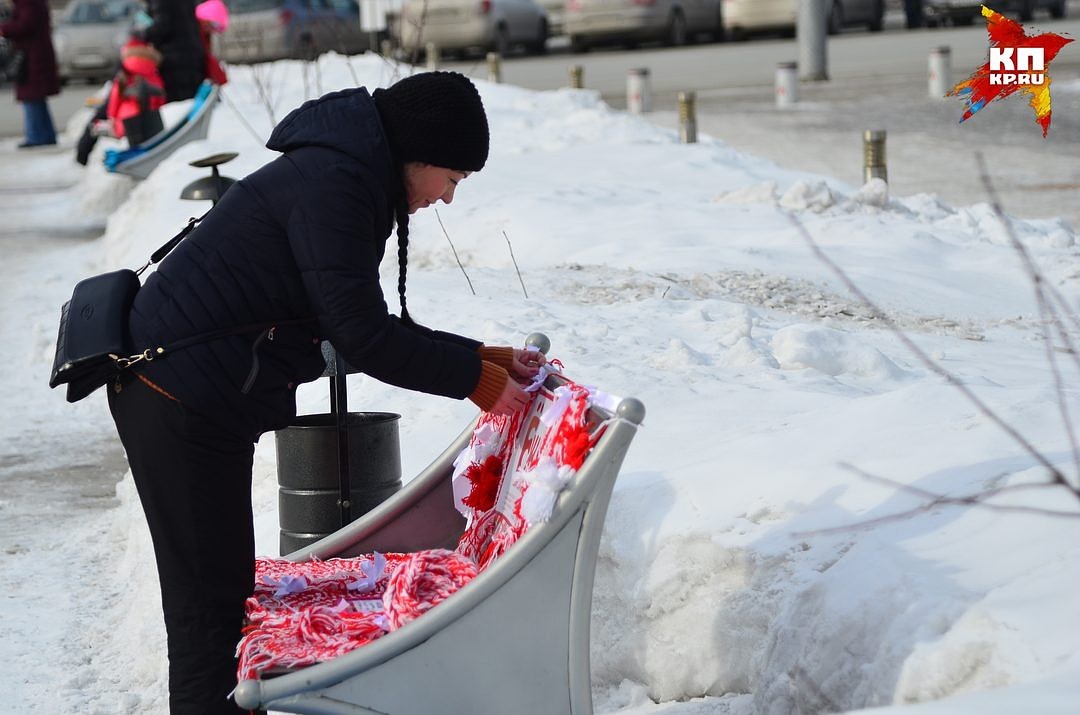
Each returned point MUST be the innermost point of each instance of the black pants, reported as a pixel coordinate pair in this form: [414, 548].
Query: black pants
[194, 483]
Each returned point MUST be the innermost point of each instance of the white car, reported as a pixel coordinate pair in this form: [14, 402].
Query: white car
[88, 35]
[674, 22]
[742, 17]
[556, 14]
[460, 25]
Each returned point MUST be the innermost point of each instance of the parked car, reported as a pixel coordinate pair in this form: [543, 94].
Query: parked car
[460, 25]
[556, 14]
[674, 22]
[1025, 9]
[88, 35]
[950, 12]
[266, 30]
[965, 12]
[742, 17]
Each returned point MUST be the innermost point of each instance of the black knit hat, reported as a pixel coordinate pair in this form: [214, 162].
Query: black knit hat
[436, 118]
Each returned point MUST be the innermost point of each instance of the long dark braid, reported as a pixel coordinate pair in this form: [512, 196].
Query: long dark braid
[402, 211]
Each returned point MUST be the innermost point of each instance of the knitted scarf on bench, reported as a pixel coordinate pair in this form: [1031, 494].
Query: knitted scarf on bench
[507, 479]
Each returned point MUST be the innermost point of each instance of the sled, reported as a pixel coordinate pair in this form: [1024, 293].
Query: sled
[514, 639]
[138, 161]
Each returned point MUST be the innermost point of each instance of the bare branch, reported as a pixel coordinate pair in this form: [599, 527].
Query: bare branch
[419, 24]
[935, 499]
[930, 363]
[1048, 314]
[240, 116]
[520, 279]
[452, 248]
[352, 70]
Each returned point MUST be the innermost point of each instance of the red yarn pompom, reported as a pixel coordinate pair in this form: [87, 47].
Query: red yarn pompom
[485, 478]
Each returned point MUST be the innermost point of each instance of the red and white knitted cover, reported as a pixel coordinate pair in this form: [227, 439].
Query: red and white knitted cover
[505, 480]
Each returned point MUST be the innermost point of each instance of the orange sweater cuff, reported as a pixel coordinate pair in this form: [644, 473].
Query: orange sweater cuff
[490, 386]
[503, 357]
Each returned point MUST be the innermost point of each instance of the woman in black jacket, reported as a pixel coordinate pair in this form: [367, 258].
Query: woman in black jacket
[287, 258]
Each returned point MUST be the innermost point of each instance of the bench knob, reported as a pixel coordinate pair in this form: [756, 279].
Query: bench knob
[248, 694]
[538, 341]
[631, 409]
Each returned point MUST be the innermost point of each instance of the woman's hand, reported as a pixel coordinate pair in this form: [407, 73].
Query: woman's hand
[512, 399]
[526, 364]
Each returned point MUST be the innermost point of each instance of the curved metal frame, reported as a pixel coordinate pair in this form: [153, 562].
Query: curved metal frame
[475, 653]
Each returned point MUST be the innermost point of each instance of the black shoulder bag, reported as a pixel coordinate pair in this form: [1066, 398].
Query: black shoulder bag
[91, 347]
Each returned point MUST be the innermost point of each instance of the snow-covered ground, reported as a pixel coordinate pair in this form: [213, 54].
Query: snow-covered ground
[747, 566]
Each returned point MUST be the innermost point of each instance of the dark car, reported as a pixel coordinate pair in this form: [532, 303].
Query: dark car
[264, 30]
[965, 12]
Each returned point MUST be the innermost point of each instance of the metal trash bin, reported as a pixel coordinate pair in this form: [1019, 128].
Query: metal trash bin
[309, 492]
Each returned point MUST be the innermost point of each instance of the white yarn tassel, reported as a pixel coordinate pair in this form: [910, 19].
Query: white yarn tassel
[544, 484]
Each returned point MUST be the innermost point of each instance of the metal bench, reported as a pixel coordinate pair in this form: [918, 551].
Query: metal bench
[514, 639]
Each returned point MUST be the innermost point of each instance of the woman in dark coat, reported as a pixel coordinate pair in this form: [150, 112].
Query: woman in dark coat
[288, 257]
[30, 31]
[175, 34]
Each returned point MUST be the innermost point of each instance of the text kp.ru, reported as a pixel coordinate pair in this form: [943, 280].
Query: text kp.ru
[1028, 68]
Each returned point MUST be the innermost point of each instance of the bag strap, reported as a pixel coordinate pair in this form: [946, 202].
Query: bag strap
[161, 352]
[169, 245]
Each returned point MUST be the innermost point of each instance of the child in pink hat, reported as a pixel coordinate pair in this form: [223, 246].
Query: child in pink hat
[213, 19]
[137, 94]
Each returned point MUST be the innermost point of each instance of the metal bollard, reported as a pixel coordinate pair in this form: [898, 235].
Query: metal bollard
[431, 54]
[386, 48]
[874, 155]
[638, 92]
[940, 66]
[811, 28]
[494, 65]
[787, 84]
[577, 77]
[687, 118]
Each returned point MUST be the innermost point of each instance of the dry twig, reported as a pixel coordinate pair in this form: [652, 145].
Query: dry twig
[452, 248]
[1049, 314]
[240, 116]
[935, 499]
[1056, 476]
[520, 279]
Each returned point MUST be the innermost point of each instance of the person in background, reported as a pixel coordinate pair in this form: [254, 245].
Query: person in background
[175, 34]
[30, 31]
[213, 19]
[287, 258]
[137, 94]
[913, 14]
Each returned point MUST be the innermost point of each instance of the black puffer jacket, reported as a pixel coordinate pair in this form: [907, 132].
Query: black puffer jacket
[301, 237]
[175, 34]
